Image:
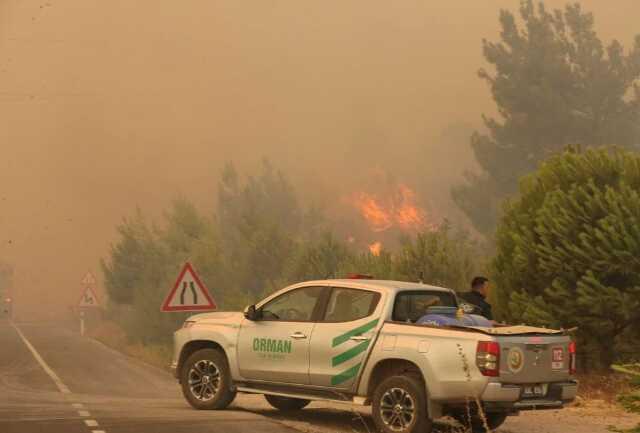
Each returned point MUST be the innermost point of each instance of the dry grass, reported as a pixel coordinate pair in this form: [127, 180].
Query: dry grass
[603, 387]
[110, 334]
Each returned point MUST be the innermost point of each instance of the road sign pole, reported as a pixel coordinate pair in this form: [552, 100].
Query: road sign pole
[82, 323]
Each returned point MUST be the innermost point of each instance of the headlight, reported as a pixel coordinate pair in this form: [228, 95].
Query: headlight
[188, 324]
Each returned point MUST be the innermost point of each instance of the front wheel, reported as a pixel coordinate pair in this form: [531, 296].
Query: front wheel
[286, 403]
[206, 380]
[400, 405]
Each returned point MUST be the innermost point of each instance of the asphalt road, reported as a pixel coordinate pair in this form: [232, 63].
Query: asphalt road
[81, 386]
[90, 388]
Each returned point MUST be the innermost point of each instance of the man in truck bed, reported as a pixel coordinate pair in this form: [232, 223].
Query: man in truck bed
[478, 296]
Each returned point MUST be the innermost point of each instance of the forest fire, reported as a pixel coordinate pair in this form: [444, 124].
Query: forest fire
[399, 210]
[375, 248]
[408, 216]
[378, 218]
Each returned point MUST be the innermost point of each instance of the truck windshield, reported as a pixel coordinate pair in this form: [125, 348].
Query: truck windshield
[412, 305]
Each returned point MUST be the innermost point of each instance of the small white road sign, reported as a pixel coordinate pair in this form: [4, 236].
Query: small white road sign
[188, 294]
[88, 298]
[89, 280]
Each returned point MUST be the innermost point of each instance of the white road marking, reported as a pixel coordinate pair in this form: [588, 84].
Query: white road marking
[56, 379]
[61, 386]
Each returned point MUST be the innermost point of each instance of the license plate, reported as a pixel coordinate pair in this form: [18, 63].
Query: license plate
[534, 390]
[557, 360]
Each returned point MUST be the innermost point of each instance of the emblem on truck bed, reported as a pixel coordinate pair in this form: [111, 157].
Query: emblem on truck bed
[515, 359]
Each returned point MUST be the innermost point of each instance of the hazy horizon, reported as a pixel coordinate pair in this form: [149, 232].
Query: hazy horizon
[109, 106]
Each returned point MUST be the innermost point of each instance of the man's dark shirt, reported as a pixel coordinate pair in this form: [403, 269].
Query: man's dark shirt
[477, 299]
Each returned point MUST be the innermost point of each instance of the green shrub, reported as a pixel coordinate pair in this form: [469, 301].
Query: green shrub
[568, 250]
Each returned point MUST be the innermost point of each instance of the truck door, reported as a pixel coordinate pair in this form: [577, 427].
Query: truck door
[276, 347]
[343, 337]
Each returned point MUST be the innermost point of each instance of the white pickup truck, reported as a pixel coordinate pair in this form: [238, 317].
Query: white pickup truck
[357, 341]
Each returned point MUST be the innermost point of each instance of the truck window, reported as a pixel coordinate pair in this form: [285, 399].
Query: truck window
[346, 305]
[294, 306]
[411, 305]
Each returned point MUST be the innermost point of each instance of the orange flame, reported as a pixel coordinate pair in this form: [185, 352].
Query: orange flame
[408, 215]
[400, 210]
[375, 248]
[379, 220]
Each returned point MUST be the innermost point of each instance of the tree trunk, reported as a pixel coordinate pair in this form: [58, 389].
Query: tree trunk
[607, 352]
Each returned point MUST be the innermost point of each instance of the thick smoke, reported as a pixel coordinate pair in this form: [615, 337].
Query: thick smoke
[106, 106]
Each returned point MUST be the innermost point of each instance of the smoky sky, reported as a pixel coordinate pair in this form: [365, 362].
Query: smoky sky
[110, 105]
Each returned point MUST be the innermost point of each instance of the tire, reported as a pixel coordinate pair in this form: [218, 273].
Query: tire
[400, 405]
[206, 380]
[494, 420]
[286, 403]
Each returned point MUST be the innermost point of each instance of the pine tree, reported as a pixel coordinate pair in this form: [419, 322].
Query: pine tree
[316, 260]
[124, 271]
[569, 248]
[444, 257]
[259, 222]
[555, 84]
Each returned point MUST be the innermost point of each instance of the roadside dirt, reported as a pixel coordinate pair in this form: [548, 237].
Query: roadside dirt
[594, 416]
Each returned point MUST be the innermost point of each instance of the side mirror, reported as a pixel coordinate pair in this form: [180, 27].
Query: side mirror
[250, 313]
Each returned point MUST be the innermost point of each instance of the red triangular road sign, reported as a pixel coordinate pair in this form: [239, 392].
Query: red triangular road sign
[88, 298]
[89, 280]
[188, 294]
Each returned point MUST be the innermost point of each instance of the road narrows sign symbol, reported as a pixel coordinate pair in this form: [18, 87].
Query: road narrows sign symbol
[88, 298]
[188, 294]
[89, 280]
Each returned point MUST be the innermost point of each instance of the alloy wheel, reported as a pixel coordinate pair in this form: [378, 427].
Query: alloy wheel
[397, 409]
[204, 380]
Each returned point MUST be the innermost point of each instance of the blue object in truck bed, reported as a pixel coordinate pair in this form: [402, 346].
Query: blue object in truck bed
[447, 316]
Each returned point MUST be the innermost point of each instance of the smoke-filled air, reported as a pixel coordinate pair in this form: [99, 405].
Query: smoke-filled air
[426, 209]
[111, 107]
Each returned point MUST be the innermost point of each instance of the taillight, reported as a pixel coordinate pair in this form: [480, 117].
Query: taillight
[488, 358]
[572, 357]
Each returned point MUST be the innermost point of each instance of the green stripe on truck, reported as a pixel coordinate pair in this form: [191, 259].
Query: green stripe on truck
[357, 331]
[349, 354]
[345, 375]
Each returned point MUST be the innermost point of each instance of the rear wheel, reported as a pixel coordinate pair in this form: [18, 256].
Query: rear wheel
[206, 380]
[286, 403]
[400, 405]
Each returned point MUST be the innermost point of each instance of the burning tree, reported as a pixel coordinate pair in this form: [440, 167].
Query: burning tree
[262, 239]
[388, 215]
[399, 209]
